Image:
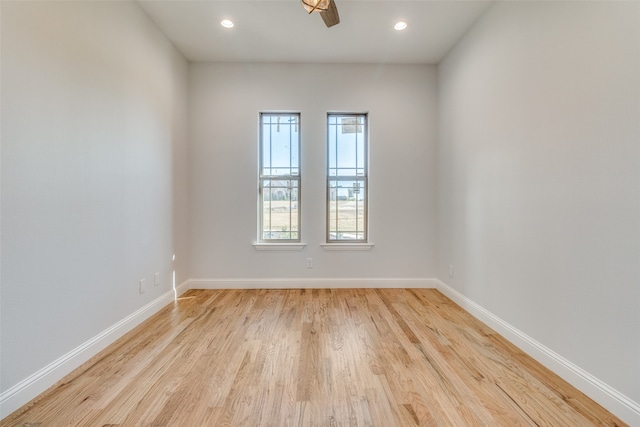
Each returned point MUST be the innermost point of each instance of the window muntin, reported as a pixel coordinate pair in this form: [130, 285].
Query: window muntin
[347, 178]
[279, 184]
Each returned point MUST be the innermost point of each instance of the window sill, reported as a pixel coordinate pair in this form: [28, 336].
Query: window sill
[292, 247]
[347, 246]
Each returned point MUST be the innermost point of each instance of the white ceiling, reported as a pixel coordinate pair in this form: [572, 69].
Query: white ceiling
[281, 30]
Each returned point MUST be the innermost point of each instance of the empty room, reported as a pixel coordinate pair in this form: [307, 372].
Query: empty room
[320, 213]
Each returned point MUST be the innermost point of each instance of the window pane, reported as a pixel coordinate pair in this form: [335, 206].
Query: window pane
[347, 201]
[346, 146]
[333, 160]
[266, 148]
[360, 157]
[280, 145]
[280, 210]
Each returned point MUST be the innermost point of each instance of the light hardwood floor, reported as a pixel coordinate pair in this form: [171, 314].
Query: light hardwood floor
[332, 357]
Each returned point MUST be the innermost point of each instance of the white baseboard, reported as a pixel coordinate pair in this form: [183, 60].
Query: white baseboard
[614, 401]
[181, 289]
[29, 388]
[306, 283]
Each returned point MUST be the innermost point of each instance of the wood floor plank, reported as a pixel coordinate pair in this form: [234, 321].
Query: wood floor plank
[320, 357]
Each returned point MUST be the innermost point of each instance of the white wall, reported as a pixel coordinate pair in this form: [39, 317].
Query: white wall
[225, 101]
[539, 178]
[93, 150]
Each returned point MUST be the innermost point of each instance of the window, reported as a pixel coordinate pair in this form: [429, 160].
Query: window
[279, 185]
[347, 174]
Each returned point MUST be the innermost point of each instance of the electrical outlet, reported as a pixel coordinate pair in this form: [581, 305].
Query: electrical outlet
[142, 285]
[156, 279]
[451, 271]
[309, 262]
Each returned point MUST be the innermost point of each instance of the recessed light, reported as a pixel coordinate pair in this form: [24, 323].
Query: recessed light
[400, 26]
[226, 23]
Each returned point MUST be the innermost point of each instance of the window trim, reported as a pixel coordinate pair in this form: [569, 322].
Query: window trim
[342, 247]
[279, 247]
[348, 243]
[271, 243]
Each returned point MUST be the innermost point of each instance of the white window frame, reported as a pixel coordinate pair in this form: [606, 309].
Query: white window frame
[291, 177]
[363, 178]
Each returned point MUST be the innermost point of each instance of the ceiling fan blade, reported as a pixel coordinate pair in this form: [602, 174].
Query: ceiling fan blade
[330, 16]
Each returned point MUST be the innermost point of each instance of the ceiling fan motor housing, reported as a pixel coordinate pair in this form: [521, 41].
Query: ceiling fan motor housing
[315, 5]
